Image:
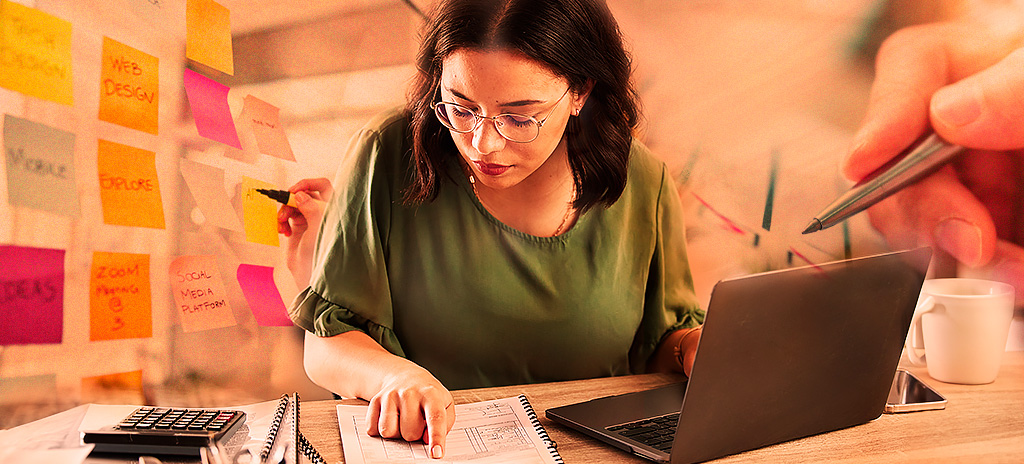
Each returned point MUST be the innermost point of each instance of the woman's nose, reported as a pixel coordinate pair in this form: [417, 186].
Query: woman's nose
[486, 138]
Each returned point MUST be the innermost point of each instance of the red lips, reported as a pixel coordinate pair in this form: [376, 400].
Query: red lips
[489, 169]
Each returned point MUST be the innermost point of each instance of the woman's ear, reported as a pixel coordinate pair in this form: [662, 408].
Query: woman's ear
[579, 99]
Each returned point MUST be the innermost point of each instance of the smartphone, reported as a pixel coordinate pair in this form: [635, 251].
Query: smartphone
[908, 394]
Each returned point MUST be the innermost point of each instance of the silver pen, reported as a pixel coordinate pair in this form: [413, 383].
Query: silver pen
[923, 157]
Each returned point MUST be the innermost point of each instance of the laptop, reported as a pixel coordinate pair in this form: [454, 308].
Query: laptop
[784, 355]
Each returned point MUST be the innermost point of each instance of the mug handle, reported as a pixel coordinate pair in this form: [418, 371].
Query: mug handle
[928, 304]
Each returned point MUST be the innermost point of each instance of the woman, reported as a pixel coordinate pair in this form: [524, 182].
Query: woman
[504, 229]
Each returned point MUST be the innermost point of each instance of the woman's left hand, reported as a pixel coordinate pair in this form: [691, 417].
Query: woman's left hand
[677, 352]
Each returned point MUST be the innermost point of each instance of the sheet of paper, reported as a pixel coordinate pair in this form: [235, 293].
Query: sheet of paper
[120, 302]
[199, 293]
[31, 295]
[129, 87]
[40, 167]
[129, 188]
[208, 100]
[260, 212]
[207, 186]
[208, 35]
[262, 294]
[498, 431]
[266, 126]
[35, 56]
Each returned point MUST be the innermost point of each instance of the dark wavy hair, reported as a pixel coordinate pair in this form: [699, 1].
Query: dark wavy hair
[578, 40]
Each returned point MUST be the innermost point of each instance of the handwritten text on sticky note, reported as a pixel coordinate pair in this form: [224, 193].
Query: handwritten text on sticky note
[259, 212]
[40, 167]
[35, 53]
[199, 294]
[266, 126]
[129, 188]
[129, 87]
[31, 295]
[120, 302]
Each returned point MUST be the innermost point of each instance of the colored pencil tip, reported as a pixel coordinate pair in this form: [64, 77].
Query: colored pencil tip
[814, 226]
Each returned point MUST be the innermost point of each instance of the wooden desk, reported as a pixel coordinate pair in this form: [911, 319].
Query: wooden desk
[981, 423]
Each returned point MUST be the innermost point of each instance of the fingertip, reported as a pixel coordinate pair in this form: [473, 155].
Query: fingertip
[437, 451]
[964, 240]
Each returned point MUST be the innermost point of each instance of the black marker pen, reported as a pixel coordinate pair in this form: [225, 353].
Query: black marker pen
[281, 196]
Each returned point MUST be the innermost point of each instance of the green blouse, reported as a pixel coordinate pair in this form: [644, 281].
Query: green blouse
[478, 303]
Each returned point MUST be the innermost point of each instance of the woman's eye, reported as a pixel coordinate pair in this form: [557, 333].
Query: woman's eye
[461, 112]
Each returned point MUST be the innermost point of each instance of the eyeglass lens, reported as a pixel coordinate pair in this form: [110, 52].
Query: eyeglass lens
[515, 127]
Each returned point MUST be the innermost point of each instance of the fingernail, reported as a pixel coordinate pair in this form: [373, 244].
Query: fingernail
[957, 105]
[960, 239]
[436, 452]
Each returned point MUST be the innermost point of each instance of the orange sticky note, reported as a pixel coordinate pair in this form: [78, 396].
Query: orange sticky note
[259, 212]
[199, 293]
[35, 53]
[122, 387]
[129, 87]
[266, 126]
[129, 188]
[120, 305]
[208, 35]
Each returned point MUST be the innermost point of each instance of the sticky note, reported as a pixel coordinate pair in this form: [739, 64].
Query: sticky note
[207, 186]
[129, 188]
[208, 100]
[40, 167]
[266, 126]
[31, 295]
[259, 212]
[120, 302]
[208, 35]
[264, 299]
[199, 294]
[28, 389]
[119, 381]
[35, 53]
[129, 87]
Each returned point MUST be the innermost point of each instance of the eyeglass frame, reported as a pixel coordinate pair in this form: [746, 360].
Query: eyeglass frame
[479, 119]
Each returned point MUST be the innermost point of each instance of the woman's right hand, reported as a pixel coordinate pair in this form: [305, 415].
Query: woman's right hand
[406, 401]
[412, 405]
[310, 200]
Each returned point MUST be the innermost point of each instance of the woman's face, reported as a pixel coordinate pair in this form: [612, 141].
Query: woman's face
[492, 82]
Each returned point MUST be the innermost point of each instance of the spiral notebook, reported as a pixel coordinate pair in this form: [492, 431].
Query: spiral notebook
[284, 442]
[505, 430]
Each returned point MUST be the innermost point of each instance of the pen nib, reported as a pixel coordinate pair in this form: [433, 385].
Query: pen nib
[814, 226]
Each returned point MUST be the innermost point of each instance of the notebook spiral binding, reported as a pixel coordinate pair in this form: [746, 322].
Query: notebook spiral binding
[305, 447]
[532, 414]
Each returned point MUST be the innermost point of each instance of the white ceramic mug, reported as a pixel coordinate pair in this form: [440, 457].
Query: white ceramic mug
[964, 323]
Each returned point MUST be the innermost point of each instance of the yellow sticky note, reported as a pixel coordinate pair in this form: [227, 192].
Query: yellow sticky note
[199, 293]
[259, 212]
[120, 305]
[208, 35]
[35, 53]
[129, 87]
[129, 188]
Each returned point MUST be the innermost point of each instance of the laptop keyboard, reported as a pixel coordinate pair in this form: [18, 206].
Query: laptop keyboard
[657, 432]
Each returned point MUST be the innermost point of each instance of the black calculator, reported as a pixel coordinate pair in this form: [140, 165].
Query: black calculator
[176, 431]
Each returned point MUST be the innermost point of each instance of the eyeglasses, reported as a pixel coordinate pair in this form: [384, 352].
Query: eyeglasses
[518, 128]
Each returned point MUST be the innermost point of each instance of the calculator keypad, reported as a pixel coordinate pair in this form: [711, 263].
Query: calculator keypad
[177, 419]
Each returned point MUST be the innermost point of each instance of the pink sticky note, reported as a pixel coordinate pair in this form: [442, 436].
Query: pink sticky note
[31, 295]
[208, 100]
[264, 299]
